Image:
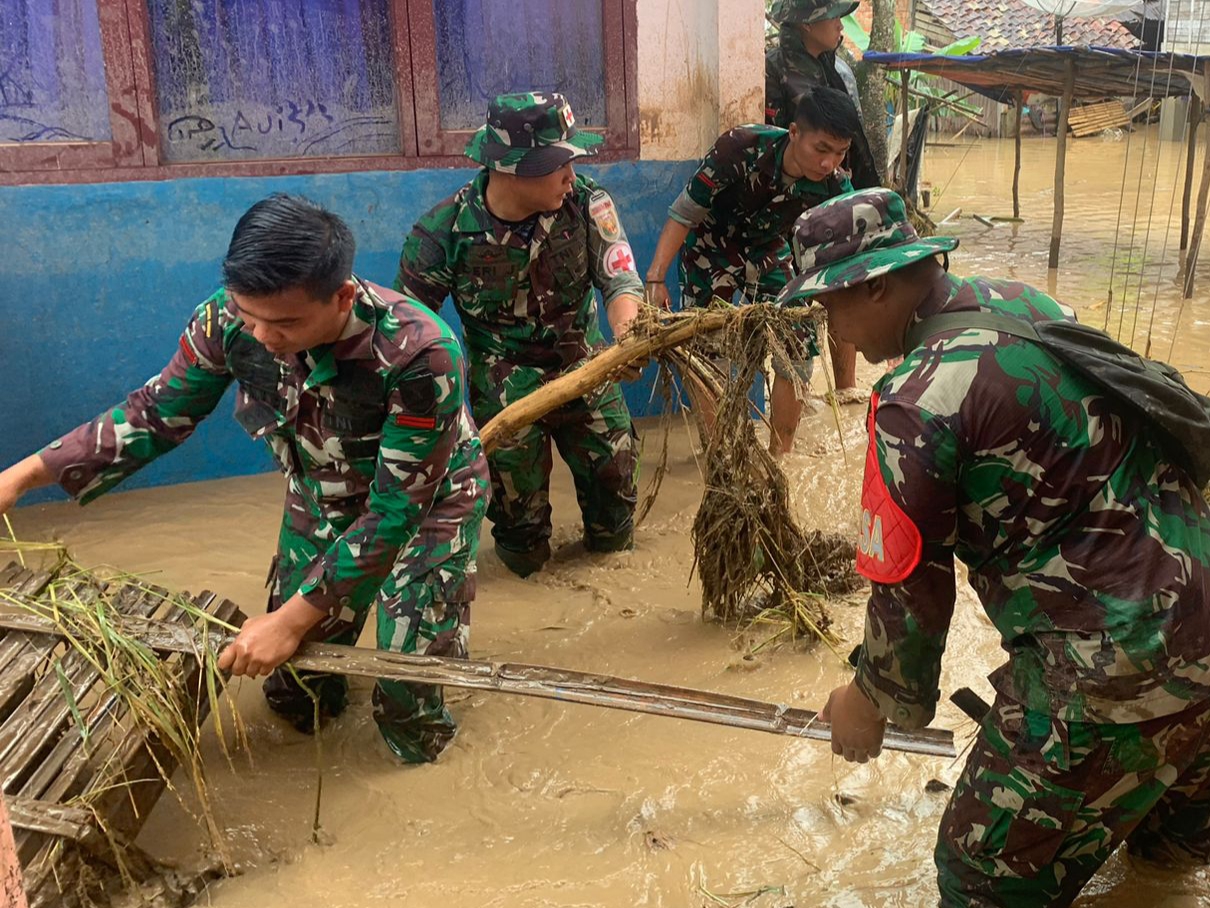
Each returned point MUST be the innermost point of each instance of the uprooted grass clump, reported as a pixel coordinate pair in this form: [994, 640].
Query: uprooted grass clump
[756, 565]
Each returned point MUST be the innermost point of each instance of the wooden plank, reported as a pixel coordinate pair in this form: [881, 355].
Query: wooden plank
[50, 819]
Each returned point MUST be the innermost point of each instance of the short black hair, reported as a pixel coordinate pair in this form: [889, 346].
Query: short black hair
[287, 241]
[828, 110]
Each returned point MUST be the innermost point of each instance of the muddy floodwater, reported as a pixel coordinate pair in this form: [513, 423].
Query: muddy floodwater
[542, 804]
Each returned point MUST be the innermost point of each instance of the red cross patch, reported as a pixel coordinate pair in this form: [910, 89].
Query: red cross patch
[617, 259]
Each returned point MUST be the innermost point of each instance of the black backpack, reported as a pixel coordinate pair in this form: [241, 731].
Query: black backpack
[1152, 391]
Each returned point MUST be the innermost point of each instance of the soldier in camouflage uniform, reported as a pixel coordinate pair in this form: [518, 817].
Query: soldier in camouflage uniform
[1087, 544]
[520, 249]
[803, 55]
[732, 222]
[359, 394]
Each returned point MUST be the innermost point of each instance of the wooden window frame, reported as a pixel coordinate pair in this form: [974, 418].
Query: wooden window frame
[133, 153]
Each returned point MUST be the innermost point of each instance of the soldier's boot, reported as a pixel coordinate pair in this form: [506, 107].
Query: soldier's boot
[297, 705]
[622, 541]
[413, 720]
[524, 563]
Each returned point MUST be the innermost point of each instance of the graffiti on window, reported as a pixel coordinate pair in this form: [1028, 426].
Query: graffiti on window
[489, 47]
[273, 79]
[52, 74]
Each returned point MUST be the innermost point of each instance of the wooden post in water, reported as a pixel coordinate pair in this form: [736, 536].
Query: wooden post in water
[1017, 160]
[1056, 230]
[1196, 108]
[1203, 196]
[906, 97]
[12, 886]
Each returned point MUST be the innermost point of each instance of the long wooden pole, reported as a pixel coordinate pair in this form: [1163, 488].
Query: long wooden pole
[605, 366]
[525, 680]
[1017, 159]
[1203, 197]
[905, 101]
[1056, 230]
[1195, 122]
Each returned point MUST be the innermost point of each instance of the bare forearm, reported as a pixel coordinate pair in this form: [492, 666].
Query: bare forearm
[621, 312]
[23, 476]
[672, 238]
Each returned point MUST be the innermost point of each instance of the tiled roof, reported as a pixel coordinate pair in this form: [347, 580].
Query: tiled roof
[1010, 23]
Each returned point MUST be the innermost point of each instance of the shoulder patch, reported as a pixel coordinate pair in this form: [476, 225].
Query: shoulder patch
[605, 215]
[617, 259]
[889, 546]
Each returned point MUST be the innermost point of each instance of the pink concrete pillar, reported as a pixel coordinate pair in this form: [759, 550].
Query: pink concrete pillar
[12, 890]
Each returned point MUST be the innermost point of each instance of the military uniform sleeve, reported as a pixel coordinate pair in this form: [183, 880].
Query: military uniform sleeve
[610, 259]
[723, 166]
[424, 268]
[906, 623]
[93, 458]
[422, 427]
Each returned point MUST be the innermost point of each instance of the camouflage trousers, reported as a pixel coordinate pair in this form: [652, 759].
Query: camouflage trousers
[596, 439]
[429, 613]
[1042, 804]
[708, 271]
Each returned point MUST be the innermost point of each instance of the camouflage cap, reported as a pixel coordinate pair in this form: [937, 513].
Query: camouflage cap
[804, 12]
[530, 134]
[852, 238]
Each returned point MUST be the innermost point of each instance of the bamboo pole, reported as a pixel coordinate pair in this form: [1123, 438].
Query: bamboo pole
[905, 100]
[525, 680]
[1017, 159]
[953, 104]
[1203, 197]
[1056, 230]
[605, 366]
[1195, 121]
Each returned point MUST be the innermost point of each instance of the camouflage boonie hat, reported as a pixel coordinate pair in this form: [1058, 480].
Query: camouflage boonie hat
[804, 12]
[530, 134]
[852, 238]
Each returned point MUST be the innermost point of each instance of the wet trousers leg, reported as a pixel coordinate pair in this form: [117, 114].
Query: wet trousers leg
[1041, 803]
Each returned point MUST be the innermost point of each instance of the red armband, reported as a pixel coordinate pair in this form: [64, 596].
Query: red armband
[889, 548]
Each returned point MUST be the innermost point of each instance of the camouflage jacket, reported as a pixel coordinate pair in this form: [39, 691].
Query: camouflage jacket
[524, 302]
[790, 72]
[372, 431]
[1088, 549]
[736, 200]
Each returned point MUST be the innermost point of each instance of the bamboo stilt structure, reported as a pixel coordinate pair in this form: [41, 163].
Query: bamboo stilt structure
[1056, 231]
[1203, 198]
[525, 680]
[1196, 108]
[1017, 159]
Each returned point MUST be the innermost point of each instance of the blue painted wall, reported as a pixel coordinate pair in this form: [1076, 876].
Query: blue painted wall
[98, 281]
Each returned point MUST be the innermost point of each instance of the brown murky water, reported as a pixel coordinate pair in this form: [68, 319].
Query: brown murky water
[541, 804]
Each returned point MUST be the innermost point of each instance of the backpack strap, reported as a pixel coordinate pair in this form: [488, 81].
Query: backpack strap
[966, 321]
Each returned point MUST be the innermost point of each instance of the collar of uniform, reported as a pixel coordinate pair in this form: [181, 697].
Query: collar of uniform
[356, 341]
[769, 164]
[473, 216]
[942, 296]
